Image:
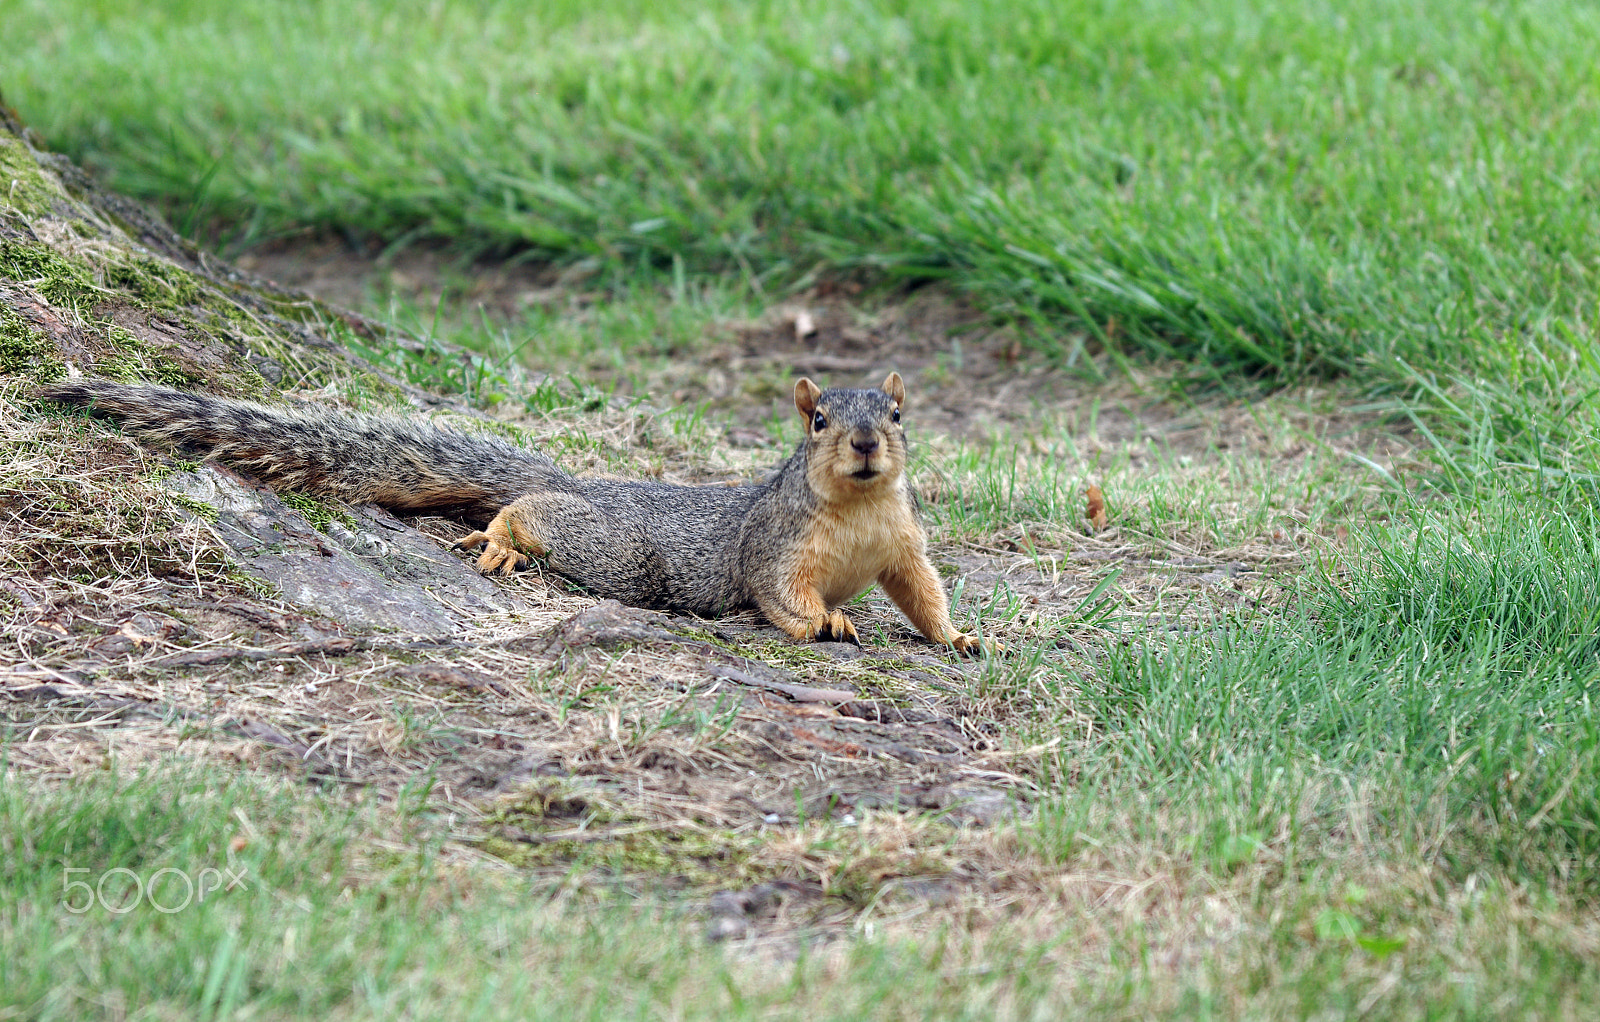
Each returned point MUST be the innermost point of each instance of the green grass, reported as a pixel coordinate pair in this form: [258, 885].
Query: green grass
[1456, 666]
[1264, 190]
[346, 909]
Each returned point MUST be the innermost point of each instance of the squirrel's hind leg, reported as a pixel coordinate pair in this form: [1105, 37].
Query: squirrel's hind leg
[579, 541]
[522, 525]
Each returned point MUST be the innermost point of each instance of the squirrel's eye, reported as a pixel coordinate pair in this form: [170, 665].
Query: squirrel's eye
[819, 422]
[896, 415]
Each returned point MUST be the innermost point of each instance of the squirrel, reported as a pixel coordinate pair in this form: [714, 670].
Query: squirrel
[836, 517]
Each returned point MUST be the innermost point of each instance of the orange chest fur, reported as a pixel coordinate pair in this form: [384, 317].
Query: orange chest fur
[847, 547]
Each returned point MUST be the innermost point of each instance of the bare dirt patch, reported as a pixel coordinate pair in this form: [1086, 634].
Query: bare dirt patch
[340, 275]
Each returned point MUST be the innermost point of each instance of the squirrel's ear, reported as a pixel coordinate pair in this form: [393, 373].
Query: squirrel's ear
[805, 397]
[895, 387]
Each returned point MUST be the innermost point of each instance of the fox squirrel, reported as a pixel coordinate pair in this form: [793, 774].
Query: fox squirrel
[836, 517]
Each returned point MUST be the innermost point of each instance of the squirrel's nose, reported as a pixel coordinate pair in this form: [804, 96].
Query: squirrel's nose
[864, 445]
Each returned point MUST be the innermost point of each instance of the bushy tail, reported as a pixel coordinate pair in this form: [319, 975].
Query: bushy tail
[384, 460]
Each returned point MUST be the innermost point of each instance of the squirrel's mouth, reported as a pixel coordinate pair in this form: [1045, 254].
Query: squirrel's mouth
[865, 474]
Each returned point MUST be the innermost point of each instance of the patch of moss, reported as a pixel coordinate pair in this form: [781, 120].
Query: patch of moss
[193, 506]
[556, 799]
[318, 513]
[26, 186]
[133, 361]
[234, 324]
[26, 351]
[144, 284]
[698, 860]
[160, 473]
[302, 311]
[122, 340]
[698, 634]
[496, 427]
[126, 361]
[252, 585]
[138, 367]
[892, 687]
[782, 652]
[171, 374]
[99, 529]
[569, 443]
[817, 668]
[155, 285]
[58, 281]
[370, 393]
[122, 368]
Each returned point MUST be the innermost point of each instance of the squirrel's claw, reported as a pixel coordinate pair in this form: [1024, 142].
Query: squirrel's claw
[835, 626]
[497, 559]
[971, 645]
[470, 541]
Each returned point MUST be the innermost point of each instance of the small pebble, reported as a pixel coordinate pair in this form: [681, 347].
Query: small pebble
[726, 927]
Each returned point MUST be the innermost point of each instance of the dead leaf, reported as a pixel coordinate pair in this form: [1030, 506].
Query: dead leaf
[791, 709]
[1096, 509]
[847, 749]
[804, 325]
[135, 636]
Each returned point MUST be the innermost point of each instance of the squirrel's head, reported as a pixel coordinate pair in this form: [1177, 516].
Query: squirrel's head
[854, 443]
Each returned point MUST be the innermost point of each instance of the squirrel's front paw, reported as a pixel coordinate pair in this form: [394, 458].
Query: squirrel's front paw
[971, 645]
[834, 626]
[496, 556]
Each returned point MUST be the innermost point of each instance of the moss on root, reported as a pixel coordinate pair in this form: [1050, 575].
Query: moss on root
[136, 302]
[28, 188]
[60, 281]
[155, 285]
[536, 831]
[318, 513]
[26, 351]
[688, 859]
